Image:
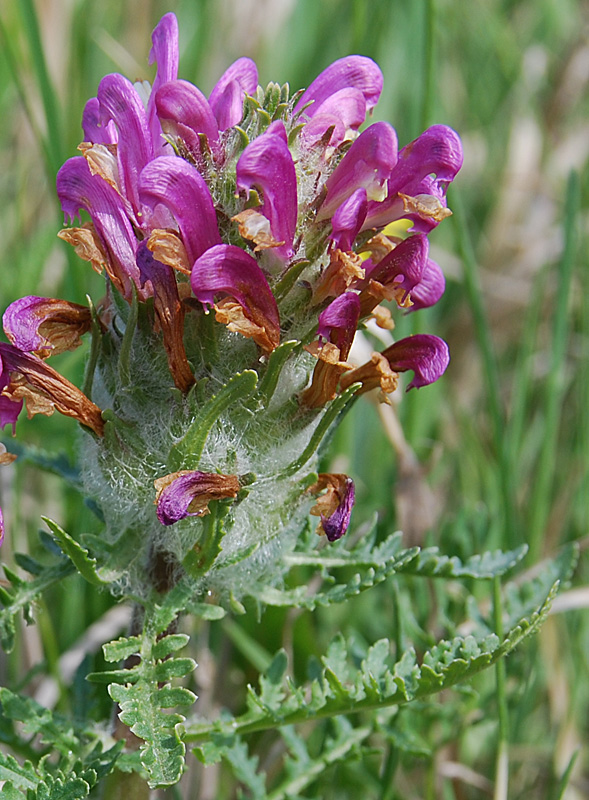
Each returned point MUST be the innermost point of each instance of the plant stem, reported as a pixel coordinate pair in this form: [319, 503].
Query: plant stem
[502, 759]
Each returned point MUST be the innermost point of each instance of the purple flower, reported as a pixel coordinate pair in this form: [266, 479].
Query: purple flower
[396, 275]
[417, 185]
[45, 326]
[348, 220]
[248, 306]
[430, 288]
[367, 164]
[226, 99]
[120, 102]
[426, 355]
[188, 493]
[344, 112]
[164, 52]
[338, 322]
[355, 72]
[335, 506]
[179, 186]
[185, 112]
[78, 189]
[266, 164]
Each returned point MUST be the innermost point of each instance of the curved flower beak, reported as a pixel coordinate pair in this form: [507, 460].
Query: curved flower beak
[229, 270]
[367, 164]
[396, 275]
[226, 99]
[184, 112]
[267, 164]
[356, 72]
[188, 493]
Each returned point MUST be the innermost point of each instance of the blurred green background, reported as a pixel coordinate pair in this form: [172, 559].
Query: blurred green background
[496, 453]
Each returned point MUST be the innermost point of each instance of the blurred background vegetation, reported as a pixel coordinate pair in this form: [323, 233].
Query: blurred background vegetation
[494, 455]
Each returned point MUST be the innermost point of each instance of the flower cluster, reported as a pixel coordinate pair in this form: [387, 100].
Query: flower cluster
[274, 212]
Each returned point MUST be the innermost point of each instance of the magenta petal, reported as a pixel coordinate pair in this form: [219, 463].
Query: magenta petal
[338, 322]
[403, 266]
[120, 102]
[266, 164]
[430, 288]
[346, 110]
[180, 187]
[336, 525]
[426, 355]
[78, 189]
[367, 164]
[185, 111]
[94, 130]
[21, 324]
[437, 151]
[165, 54]
[226, 99]
[357, 72]
[348, 220]
[229, 270]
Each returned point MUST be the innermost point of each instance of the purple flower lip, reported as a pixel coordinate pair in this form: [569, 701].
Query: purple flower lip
[184, 111]
[367, 164]
[426, 355]
[338, 322]
[45, 326]
[430, 288]
[188, 493]
[335, 506]
[120, 102]
[396, 275]
[417, 185]
[248, 307]
[348, 220]
[267, 165]
[355, 72]
[226, 99]
[164, 52]
[78, 189]
[176, 184]
[344, 111]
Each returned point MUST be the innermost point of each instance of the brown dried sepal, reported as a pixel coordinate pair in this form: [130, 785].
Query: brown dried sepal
[382, 317]
[255, 227]
[426, 206]
[343, 270]
[326, 375]
[375, 374]
[63, 326]
[376, 292]
[379, 246]
[102, 161]
[5, 456]
[46, 391]
[87, 245]
[168, 248]
[230, 313]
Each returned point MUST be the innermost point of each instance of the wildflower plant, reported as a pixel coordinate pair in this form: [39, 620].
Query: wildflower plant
[245, 239]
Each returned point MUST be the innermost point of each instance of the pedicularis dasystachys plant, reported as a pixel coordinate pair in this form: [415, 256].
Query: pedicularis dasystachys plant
[242, 241]
[245, 238]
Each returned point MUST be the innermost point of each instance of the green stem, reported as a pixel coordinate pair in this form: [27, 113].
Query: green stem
[429, 62]
[491, 373]
[502, 760]
[555, 382]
